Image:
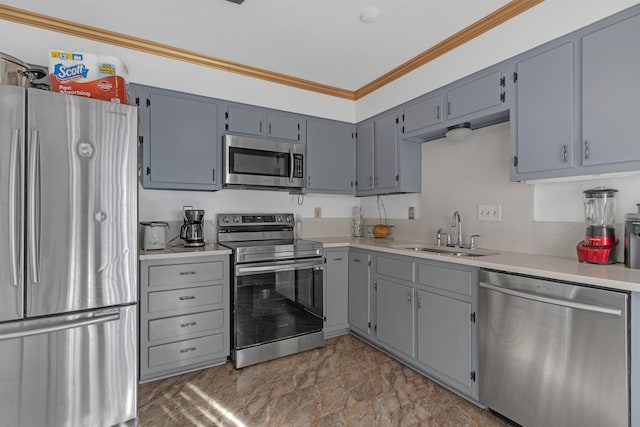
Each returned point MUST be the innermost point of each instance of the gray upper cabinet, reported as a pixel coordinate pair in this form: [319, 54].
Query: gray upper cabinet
[364, 157]
[384, 163]
[385, 173]
[250, 120]
[480, 92]
[611, 94]
[543, 133]
[423, 114]
[359, 292]
[330, 157]
[576, 98]
[180, 139]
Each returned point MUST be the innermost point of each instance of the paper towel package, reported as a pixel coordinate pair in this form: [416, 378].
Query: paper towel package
[87, 74]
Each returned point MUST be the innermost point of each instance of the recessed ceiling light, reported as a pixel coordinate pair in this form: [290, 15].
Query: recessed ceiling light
[369, 15]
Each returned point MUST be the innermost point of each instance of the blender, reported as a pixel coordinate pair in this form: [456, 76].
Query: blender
[598, 246]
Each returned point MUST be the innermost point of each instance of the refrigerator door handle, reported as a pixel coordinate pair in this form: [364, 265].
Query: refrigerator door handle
[33, 211]
[15, 206]
[26, 331]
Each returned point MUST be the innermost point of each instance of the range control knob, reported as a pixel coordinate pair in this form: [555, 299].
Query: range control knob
[289, 218]
[278, 219]
[236, 219]
[226, 219]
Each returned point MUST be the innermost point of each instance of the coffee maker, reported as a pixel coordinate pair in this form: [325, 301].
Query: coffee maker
[598, 246]
[191, 230]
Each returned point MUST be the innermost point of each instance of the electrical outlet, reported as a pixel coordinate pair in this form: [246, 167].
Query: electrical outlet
[317, 212]
[411, 212]
[489, 212]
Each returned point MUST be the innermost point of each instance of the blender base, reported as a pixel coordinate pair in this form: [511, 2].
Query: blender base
[597, 254]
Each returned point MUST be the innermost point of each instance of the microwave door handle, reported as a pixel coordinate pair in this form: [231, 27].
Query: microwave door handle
[291, 164]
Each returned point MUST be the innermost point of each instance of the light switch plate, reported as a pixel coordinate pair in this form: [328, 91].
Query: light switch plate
[317, 212]
[412, 212]
[489, 212]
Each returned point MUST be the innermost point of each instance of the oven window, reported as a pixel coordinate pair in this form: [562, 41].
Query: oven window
[277, 305]
[246, 161]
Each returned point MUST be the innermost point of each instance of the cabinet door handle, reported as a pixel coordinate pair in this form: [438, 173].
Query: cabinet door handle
[260, 126]
[269, 128]
[186, 297]
[188, 324]
[337, 259]
[438, 112]
[409, 297]
[419, 301]
[187, 273]
[448, 108]
[565, 153]
[587, 150]
[187, 350]
[356, 260]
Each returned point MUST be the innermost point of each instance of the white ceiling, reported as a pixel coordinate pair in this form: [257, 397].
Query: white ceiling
[318, 40]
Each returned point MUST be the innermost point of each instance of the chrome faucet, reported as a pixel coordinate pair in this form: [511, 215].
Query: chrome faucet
[457, 222]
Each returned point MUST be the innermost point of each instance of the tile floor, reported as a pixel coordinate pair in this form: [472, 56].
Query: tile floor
[346, 383]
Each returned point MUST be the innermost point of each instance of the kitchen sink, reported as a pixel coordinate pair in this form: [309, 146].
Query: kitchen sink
[445, 250]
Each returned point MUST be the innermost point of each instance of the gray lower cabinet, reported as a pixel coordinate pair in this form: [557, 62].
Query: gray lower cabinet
[179, 136]
[359, 297]
[184, 315]
[425, 317]
[330, 157]
[336, 292]
[395, 310]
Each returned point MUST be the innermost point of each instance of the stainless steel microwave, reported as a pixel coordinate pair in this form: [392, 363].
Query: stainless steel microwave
[255, 162]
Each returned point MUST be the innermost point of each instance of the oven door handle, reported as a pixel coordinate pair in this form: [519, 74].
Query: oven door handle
[272, 268]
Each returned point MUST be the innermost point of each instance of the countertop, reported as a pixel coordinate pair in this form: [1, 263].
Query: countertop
[181, 252]
[615, 276]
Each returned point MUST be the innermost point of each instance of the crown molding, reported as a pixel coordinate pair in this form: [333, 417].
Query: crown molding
[21, 16]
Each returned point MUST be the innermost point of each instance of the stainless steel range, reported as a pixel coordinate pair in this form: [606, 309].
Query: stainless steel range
[276, 295]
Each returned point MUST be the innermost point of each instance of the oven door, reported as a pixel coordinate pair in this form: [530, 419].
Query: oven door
[256, 162]
[277, 300]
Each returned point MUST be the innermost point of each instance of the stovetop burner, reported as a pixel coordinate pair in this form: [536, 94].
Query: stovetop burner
[263, 237]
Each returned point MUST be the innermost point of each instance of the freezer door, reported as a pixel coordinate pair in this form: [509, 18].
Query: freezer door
[12, 104]
[78, 370]
[81, 215]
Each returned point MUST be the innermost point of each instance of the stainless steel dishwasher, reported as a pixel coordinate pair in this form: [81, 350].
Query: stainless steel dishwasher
[553, 353]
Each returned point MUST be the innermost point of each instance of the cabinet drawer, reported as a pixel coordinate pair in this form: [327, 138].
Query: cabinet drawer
[175, 274]
[185, 298]
[185, 325]
[185, 350]
[400, 269]
[448, 279]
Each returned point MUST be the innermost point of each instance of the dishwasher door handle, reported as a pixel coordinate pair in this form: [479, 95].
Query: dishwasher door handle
[555, 301]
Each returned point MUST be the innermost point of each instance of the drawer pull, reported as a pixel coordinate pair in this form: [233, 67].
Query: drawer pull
[186, 297]
[187, 273]
[187, 350]
[186, 325]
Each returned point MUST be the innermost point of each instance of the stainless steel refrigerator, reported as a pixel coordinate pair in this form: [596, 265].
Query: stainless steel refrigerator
[68, 260]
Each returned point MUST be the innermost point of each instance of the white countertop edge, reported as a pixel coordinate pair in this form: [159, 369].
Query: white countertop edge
[210, 249]
[615, 276]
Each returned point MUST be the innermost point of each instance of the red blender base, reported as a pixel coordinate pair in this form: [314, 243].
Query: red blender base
[596, 254]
